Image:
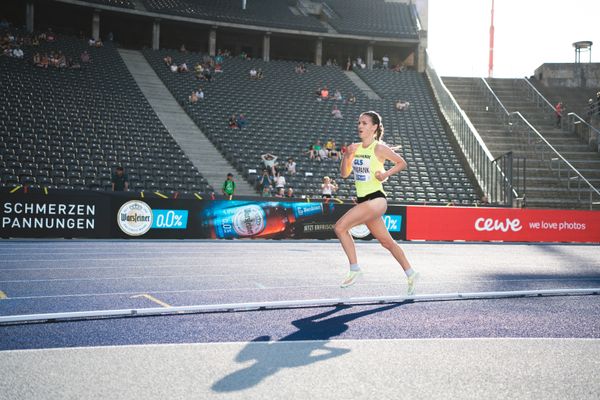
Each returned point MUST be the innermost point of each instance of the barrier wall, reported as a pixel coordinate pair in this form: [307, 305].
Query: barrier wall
[502, 224]
[76, 214]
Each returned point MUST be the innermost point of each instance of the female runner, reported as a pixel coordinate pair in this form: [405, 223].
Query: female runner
[366, 160]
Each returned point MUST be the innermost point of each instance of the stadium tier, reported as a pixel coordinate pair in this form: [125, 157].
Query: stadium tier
[373, 18]
[114, 3]
[285, 118]
[273, 13]
[69, 128]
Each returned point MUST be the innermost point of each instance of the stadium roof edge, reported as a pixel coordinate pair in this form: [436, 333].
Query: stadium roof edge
[150, 14]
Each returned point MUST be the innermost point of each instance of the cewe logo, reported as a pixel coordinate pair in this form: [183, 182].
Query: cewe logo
[495, 225]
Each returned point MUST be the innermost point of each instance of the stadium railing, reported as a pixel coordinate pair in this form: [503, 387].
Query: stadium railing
[564, 170]
[573, 123]
[493, 175]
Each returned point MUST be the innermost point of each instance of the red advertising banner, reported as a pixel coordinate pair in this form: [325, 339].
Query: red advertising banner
[502, 224]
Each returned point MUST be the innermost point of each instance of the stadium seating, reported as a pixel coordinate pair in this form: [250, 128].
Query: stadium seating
[285, 118]
[273, 13]
[69, 128]
[114, 3]
[373, 18]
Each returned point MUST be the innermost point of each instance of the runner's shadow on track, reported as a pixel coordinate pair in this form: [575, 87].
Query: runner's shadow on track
[270, 357]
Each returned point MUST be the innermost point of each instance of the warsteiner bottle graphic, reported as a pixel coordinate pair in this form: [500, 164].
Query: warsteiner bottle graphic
[229, 219]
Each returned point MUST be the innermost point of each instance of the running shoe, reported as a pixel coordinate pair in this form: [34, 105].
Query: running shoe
[351, 278]
[412, 282]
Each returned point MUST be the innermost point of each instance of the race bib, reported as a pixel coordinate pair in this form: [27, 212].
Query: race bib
[362, 169]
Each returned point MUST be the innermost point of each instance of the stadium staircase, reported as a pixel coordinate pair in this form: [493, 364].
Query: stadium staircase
[362, 85]
[187, 134]
[543, 189]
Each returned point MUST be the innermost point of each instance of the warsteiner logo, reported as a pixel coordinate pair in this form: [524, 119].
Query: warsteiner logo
[135, 218]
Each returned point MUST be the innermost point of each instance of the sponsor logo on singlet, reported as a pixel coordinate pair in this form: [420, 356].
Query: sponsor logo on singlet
[361, 165]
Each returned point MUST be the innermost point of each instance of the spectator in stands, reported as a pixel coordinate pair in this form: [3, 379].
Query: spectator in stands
[241, 121]
[558, 111]
[337, 95]
[280, 193]
[61, 60]
[385, 61]
[207, 74]
[290, 166]
[348, 64]
[73, 64]
[85, 57]
[259, 74]
[182, 49]
[183, 68]
[591, 110]
[18, 53]
[332, 150]
[336, 112]
[264, 183]
[328, 187]
[91, 42]
[402, 105]
[200, 93]
[270, 161]
[50, 36]
[228, 188]
[290, 192]
[323, 154]
[279, 181]
[232, 121]
[99, 43]
[300, 69]
[219, 57]
[218, 68]
[324, 93]
[329, 144]
[45, 61]
[174, 67]
[343, 149]
[193, 97]
[253, 73]
[168, 60]
[37, 60]
[244, 55]
[598, 103]
[360, 63]
[120, 181]
[316, 148]
[35, 41]
[351, 99]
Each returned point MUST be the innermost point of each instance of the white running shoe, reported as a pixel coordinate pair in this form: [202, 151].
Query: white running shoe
[351, 278]
[412, 282]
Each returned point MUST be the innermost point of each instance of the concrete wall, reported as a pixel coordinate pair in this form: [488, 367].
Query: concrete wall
[569, 75]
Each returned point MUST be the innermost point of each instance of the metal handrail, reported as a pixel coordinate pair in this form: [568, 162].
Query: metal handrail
[510, 116]
[551, 110]
[538, 94]
[487, 172]
[573, 119]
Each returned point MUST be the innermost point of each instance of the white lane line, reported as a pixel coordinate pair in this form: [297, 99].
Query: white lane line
[175, 291]
[287, 275]
[236, 289]
[285, 304]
